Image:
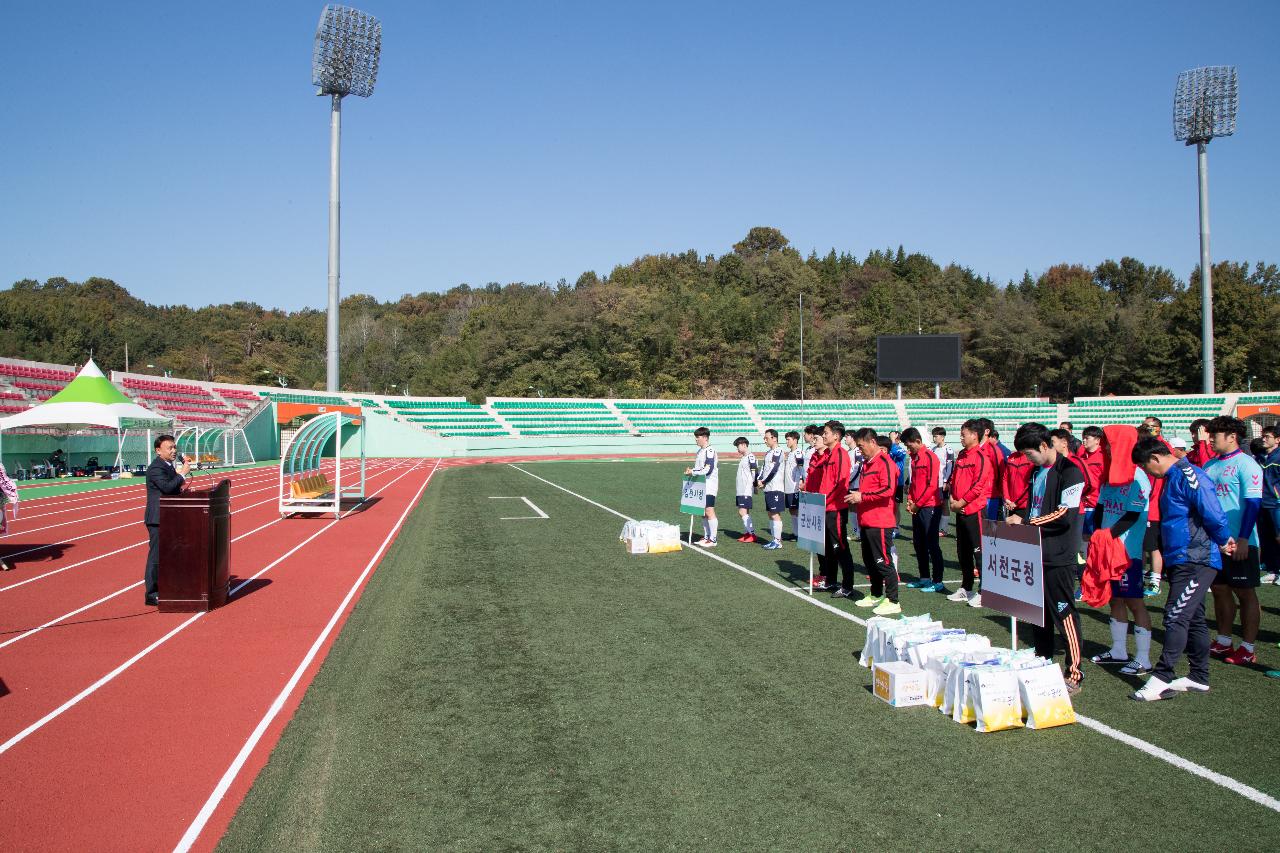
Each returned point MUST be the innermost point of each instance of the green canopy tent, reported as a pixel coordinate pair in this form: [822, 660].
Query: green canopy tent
[89, 401]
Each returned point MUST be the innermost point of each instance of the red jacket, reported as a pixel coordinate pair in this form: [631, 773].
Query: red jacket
[1093, 465]
[1157, 487]
[1017, 479]
[924, 478]
[1200, 454]
[1107, 561]
[996, 458]
[813, 476]
[971, 480]
[834, 477]
[879, 480]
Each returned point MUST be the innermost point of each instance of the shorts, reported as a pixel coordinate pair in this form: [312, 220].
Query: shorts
[1130, 585]
[1240, 574]
[743, 501]
[1087, 530]
[792, 499]
[1151, 539]
[773, 501]
[711, 501]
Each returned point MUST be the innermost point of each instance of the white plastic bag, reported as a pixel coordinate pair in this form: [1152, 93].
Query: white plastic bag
[1044, 697]
[994, 692]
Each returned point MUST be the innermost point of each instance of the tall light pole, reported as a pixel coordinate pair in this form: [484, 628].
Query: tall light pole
[1204, 106]
[344, 61]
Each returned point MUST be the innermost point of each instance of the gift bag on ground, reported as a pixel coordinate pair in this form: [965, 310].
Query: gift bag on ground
[996, 700]
[1044, 697]
[875, 625]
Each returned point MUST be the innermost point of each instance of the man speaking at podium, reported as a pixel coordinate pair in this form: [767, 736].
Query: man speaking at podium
[163, 478]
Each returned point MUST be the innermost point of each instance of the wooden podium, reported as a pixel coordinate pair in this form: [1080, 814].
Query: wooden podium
[195, 544]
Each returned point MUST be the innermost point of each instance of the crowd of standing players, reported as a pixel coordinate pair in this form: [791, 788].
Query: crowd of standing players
[1122, 512]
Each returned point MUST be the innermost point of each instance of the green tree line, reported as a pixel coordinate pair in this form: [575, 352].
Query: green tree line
[692, 326]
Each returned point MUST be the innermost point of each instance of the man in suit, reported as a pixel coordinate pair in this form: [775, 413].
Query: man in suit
[163, 478]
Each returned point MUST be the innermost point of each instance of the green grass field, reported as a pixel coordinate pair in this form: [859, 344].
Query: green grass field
[526, 685]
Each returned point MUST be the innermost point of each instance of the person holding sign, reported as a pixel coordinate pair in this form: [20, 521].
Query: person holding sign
[1056, 492]
[874, 503]
[1121, 511]
[832, 480]
[1194, 534]
[704, 465]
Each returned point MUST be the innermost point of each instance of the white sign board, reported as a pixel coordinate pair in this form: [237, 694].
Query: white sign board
[693, 495]
[811, 523]
[1012, 571]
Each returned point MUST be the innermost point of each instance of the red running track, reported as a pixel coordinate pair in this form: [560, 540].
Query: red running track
[122, 728]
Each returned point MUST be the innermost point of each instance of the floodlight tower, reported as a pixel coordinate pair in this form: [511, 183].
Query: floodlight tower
[1204, 106]
[344, 61]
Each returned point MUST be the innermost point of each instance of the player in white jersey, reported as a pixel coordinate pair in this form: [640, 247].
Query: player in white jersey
[706, 464]
[745, 487]
[794, 470]
[773, 478]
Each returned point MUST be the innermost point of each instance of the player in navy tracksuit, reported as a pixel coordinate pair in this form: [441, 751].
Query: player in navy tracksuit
[1194, 536]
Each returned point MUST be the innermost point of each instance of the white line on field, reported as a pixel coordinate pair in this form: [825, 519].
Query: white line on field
[237, 764]
[1236, 786]
[540, 513]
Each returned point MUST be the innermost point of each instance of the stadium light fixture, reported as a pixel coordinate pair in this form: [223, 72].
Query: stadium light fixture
[1204, 107]
[344, 61]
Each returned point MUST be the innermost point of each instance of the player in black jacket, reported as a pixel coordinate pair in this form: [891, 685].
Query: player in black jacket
[1057, 487]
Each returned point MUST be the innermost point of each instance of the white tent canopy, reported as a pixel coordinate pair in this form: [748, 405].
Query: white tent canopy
[88, 401]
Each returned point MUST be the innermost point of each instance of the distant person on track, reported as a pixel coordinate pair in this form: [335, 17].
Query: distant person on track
[163, 478]
[8, 495]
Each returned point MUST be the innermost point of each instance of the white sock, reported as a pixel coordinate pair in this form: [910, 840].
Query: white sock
[1120, 640]
[1142, 640]
[1248, 647]
[711, 528]
[795, 525]
[706, 529]
[749, 524]
[1224, 640]
[775, 528]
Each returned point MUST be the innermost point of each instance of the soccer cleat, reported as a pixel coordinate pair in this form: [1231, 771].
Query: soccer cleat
[1241, 657]
[1150, 590]
[960, 595]
[1153, 691]
[888, 608]
[843, 593]
[704, 542]
[870, 601]
[747, 537]
[821, 585]
[937, 587]
[1219, 650]
[772, 546]
[975, 600]
[1074, 687]
[1187, 685]
[920, 583]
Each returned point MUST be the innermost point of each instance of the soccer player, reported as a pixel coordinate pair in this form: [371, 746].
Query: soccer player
[1201, 447]
[1194, 532]
[1122, 509]
[946, 460]
[815, 470]
[772, 482]
[1238, 485]
[1269, 518]
[874, 503]
[793, 478]
[992, 447]
[924, 503]
[856, 460]
[834, 483]
[970, 489]
[704, 464]
[1056, 492]
[1016, 483]
[745, 487]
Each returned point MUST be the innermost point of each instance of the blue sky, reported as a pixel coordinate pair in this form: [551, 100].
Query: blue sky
[180, 149]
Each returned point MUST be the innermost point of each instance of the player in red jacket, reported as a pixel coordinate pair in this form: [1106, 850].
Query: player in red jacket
[833, 482]
[972, 478]
[924, 503]
[1017, 484]
[876, 508]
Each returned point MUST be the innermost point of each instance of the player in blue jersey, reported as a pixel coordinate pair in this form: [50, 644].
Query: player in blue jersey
[706, 464]
[1194, 536]
[1237, 479]
[772, 479]
[1122, 503]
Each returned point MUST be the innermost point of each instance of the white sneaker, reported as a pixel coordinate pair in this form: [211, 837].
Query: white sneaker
[1153, 691]
[1186, 685]
[1269, 577]
[975, 600]
[959, 595]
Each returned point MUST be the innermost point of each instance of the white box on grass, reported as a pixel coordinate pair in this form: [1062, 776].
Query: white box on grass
[899, 683]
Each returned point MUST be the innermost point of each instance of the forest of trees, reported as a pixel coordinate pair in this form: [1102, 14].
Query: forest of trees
[689, 326]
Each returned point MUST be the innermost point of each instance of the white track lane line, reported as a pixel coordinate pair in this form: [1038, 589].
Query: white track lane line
[112, 530]
[112, 595]
[134, 487]
[1234, 785]
[110, 676]
[237, 764]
